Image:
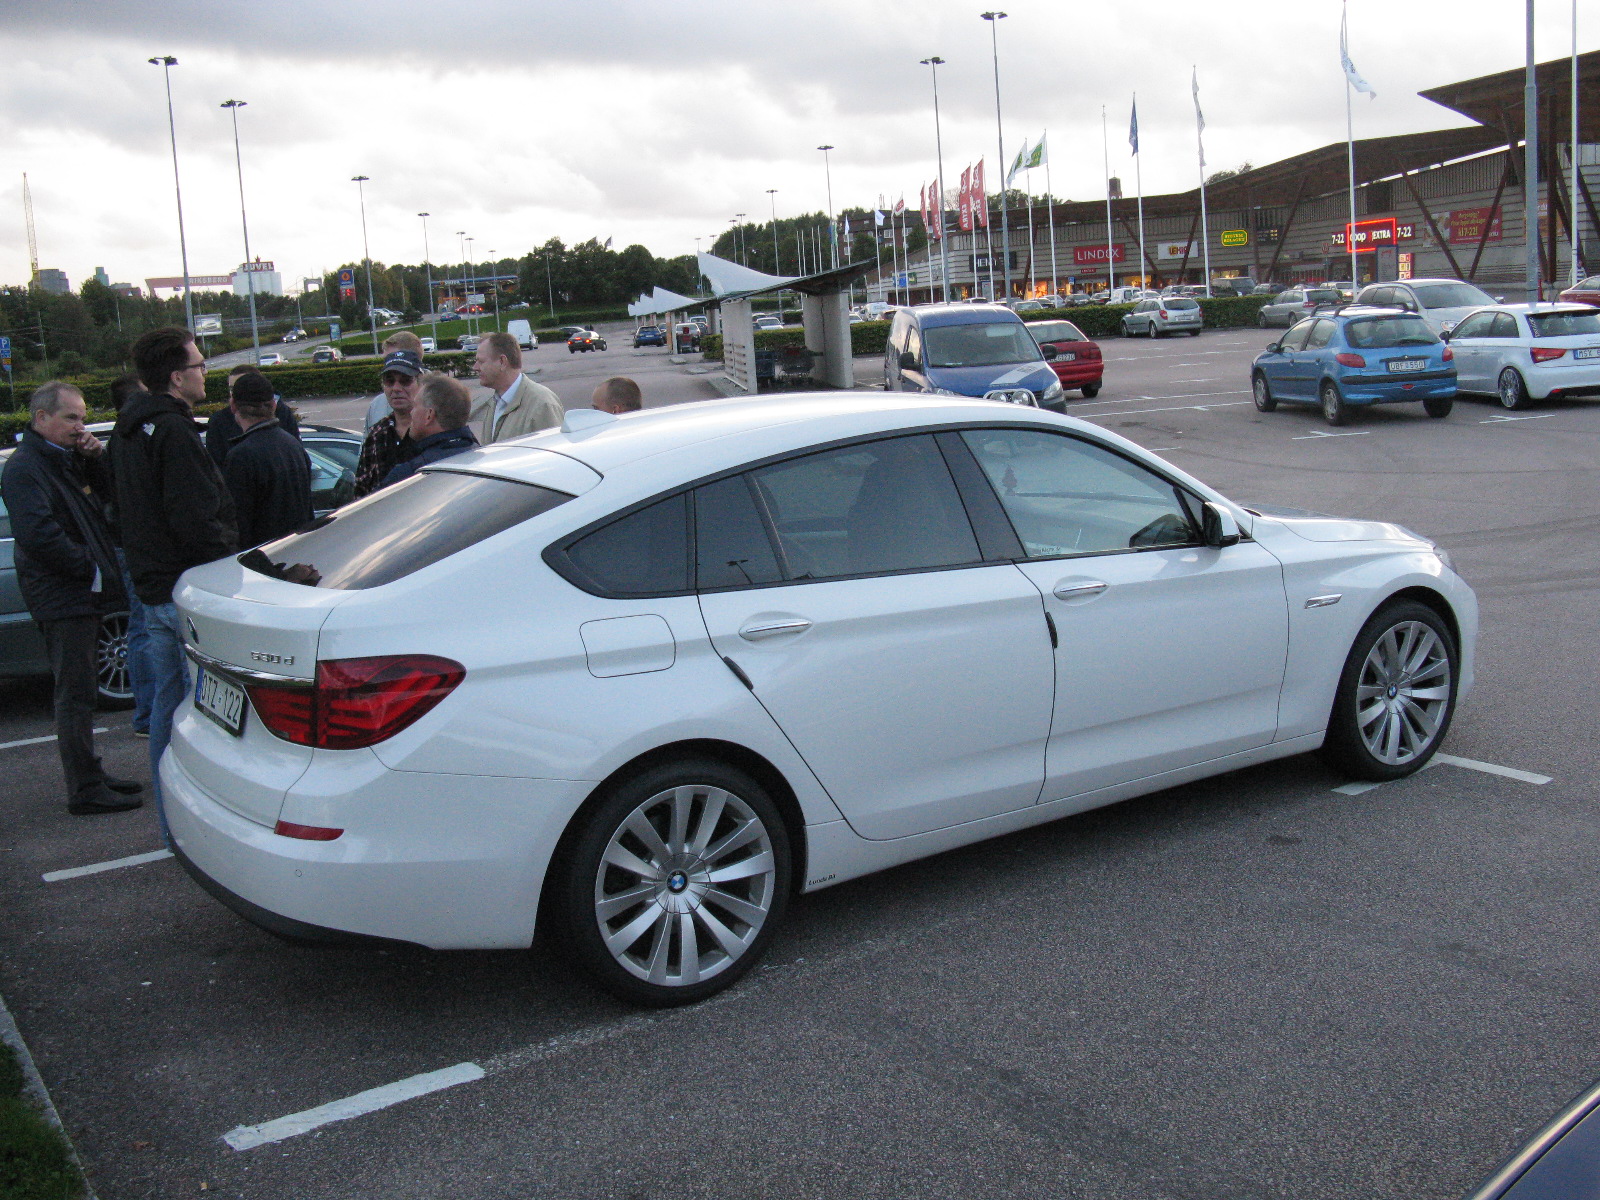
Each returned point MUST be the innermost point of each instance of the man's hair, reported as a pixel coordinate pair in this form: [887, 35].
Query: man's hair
[157, 354]
[449, 399]
[47, 398]
[404, 340]
[505, 346]
[122, 387]
[623, 392]
[243, 369]
[252, 395]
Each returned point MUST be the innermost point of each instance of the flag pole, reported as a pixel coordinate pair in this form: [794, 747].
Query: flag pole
[1138, 175]
[1033, 274]
[1350, 154]
[1200, 144]
[1050, 215]
[1572, 148]
[1105, 154]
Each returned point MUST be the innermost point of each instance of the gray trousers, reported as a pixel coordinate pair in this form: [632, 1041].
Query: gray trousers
[70, 643]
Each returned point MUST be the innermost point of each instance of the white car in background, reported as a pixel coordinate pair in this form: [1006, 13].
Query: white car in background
[1439, 302]
[1525, 352]
[271, 358]
[828, 634]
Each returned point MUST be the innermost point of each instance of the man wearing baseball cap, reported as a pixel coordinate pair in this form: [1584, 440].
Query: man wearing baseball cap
[389, 442]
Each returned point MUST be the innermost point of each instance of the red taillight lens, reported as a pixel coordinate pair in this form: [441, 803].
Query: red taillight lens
[1546, 353]
[1349, 360]
[306, 833]
[357, 701]
[1163, 314]
[1449, 355]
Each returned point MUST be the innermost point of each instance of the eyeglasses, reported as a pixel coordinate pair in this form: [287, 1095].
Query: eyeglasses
[191, 366]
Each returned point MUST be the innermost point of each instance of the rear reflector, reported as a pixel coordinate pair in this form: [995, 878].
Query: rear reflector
[356, 702]
[306, 833]
[1546, 353]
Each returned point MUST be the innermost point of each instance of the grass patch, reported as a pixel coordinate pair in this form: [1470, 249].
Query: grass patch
[34, 1161]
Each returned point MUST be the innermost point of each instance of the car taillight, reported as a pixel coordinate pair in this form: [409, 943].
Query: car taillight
[356, 702]
[1163, 314]
[1309, 305]
[1546, 353]
[307, 833]
[1449, 355]
[1349, 360]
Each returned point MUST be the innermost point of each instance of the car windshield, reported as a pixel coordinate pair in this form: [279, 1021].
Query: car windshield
[1450, 295]
[1381, 333]
[1563, 324]
[1323, 295]
[1055, 331]
[986, 345]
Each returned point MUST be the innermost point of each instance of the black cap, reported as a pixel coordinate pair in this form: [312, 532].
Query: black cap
[408, 362]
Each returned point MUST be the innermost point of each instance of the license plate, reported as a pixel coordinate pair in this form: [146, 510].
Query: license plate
[220, 700]
[1407, 364]
[1069, 357]
[1587, 352]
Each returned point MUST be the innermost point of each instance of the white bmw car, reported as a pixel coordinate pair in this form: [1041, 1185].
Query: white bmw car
[645, 678]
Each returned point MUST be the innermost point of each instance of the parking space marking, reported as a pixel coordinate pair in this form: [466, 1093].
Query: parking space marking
[38, 741]
[246, 1137]
[1450, 760]
[1503, 420]
[1172, 408]
[133, 860]
[1318, 433]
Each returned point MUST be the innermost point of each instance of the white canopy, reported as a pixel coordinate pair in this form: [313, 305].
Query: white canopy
[660, 301]
[729, 278]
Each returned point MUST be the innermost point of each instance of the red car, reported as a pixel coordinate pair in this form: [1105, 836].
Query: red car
[1077, 363]
[1585, 291]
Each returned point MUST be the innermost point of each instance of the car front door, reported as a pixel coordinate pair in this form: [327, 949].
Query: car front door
[1470, 347]
[849, 587]
[1170, 653]
[1292, 371]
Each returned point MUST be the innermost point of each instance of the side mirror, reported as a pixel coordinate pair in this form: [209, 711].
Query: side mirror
[1444, 334]
[1050, 353]
[1499, 299]
[1275, 348]
[908, 361]
[1219, 528]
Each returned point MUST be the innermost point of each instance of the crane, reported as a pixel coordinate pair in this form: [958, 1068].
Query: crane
[33, 240]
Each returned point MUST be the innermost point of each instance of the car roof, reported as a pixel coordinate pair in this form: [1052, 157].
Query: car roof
[933, 315]
[1543, 306]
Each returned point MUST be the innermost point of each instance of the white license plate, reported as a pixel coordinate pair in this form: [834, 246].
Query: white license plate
[1407, 364]
[220, 700]
[1587, 352]
[1068, 357]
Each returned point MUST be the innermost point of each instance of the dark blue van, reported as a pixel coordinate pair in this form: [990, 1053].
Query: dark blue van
[979, 350]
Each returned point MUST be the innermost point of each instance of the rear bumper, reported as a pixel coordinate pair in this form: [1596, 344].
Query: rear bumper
[1569, 380]
[1076, 374]
[1389, 390]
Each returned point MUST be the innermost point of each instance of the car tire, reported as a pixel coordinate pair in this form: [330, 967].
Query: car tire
[1261, 319]
[1389, 717]
[113, 679]
[1334, 409]
[1438, 407]
[1127, 330]
[1090, 390]
[1513, 391]
[633, 894]
[1194, 333]
[1262, 394]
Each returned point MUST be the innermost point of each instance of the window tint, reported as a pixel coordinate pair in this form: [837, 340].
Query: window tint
[401, 529]
[1066, 496]
[1178, 305]
[1475, 326]
[1377, 333]
[1505, 326]
[645, 553]
[1321, 332]
[1563, 324]
[1295, 339]
[885, 506]
[1055, 331]
[732, 548]
[1323, 295]
[986, 345]
[1450, 295]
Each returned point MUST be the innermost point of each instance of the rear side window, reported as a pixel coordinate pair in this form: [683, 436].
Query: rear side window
[1180, 305]
[401, 529]
[732, 548]
[645, 553]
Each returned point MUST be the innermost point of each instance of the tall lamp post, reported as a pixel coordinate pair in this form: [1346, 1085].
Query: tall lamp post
[166, 62]
[994, 19]
[494, 280]
[777, 257]
[738, 237]
[472, 274]
[233, 107]
[549, 283]
[833, 228]
[466, 286]
[934, 63]
[372, 318]
[427, 265]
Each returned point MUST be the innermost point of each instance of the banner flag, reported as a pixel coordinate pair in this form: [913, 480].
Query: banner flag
[900, 206]
[1036, 158]
[1019, 163]
[935, 223]
[922, 203]
[1350, 72]
[1133, 128]
[966, 200]
[879, 216]
[980, 197]
[1200, 117]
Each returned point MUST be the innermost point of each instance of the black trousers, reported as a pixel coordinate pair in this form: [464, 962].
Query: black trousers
[70, 643]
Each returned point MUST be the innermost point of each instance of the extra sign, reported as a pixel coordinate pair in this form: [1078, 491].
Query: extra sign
[1370, 235]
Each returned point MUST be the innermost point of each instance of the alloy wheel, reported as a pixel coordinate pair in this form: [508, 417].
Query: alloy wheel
[1513, 392]
[111, 660]
[1403, 693]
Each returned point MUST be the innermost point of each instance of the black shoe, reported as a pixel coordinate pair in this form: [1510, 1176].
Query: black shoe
[127, 787]
[103, 802]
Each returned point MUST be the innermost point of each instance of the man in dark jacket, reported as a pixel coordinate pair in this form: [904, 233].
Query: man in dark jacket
[266, 471]
[54, 485]
[223, 427]
[174, 509]
[438, 424]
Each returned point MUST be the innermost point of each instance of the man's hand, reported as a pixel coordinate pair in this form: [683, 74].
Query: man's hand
[88, 445]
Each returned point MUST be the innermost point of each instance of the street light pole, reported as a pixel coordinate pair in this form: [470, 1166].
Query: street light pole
[494, 279]
[934, 63]
[738, 235]
[166, 62]
[833, 228]
[372, 318]
[550, 287]
[472, 276]
[427, 265]
[994, 19]
[233, 107]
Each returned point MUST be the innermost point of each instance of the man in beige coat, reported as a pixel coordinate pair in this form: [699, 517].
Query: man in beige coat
[510, 404]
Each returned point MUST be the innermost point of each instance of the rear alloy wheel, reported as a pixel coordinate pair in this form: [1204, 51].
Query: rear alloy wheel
[1396, 694]
[1261, 320]
[1334, 411]
[1438, 406]
[113, 680]
[1262, 394]
[1513, 392]
[1090, 390]
[675, 884]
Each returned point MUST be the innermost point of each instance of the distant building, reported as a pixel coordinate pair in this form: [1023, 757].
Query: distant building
[101, 277]
[267, 280]
[54, 281]
[130, 290]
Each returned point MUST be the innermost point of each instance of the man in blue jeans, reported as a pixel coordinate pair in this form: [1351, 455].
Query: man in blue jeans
[173, 509]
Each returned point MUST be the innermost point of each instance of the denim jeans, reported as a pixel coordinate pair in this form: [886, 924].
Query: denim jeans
[140, 676]
[169, 684]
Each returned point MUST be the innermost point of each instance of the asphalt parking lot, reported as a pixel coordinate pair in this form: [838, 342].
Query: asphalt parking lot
[1269, 984]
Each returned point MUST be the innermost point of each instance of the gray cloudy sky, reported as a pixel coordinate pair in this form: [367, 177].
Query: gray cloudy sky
[644, 121]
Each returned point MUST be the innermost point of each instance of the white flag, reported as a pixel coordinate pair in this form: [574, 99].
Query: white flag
[1350, 72]
[1199, 117]
[1018, 163]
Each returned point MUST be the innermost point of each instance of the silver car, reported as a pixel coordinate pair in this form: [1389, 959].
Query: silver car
[1288, 307]
[1157, 318]
[1439, 302]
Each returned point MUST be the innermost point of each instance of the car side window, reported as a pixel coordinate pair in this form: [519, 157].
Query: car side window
[732, 547]
[1505, 326]
[914, 343]
[867, 509]
[1291, 298]
[645, 553]
[1475, 326]
[1067, 496]
[1295, 339]
[1321, 333]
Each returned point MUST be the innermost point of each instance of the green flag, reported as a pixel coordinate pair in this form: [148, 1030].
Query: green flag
[1036, 156]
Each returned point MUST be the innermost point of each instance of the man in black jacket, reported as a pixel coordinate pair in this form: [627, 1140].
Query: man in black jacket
[266, 470]
[438, 425]
[174, 509]
[54, 485]
[223, 427]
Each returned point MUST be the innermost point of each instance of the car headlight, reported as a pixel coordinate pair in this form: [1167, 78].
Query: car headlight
[1051, 393]
[938, 391]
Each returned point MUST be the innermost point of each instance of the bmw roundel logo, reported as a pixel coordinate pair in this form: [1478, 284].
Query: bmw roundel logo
[677, 881]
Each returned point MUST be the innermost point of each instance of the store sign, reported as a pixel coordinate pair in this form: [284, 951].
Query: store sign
[258, 265]
[1235, 237]
[1172, 250]
[1371, 235]
[980, 262]
[347, 283]
[1088, 256]
[1407, 265]
[1468, 224]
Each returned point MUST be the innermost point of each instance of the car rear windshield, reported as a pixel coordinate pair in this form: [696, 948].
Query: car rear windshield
[1380, 333]
[1055, 331]
[401, 529]
[1563, 324]
[1323, 295]
[986, 345]
[1175, 304]
[1449, 295]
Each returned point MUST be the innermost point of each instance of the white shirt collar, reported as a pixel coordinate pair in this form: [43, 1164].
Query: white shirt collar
[504, 398]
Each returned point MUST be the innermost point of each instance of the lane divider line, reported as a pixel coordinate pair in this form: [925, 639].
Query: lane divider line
[133, 860]
[1451, 760]
[39, 741]
[246, 1137]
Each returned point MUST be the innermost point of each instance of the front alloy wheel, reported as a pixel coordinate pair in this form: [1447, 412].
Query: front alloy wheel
[676, 883]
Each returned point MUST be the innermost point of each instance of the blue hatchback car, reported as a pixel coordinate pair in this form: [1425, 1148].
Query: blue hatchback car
[1355, 356]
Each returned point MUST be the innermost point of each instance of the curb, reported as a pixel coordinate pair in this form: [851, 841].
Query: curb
[33, 1087]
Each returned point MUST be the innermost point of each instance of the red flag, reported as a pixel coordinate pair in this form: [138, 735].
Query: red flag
[966, 200]
[922, 203]
[935, 219]
[980, 199]
[899, 206]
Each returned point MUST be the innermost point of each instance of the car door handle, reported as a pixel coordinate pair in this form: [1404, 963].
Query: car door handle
[755, 633]
[1076, 591]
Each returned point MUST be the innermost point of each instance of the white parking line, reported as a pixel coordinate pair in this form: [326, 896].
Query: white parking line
[133, 860]
[1450, 760]
[1503, 420]
[38, 741]
[1317, 433]
[246, 1137]
[1172, 408]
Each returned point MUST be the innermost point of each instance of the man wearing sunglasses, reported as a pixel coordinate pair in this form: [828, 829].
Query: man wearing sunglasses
[174, 509]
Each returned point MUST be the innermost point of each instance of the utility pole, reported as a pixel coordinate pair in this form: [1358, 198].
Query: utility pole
[233, 107]
[167, 62]
[372, 318]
